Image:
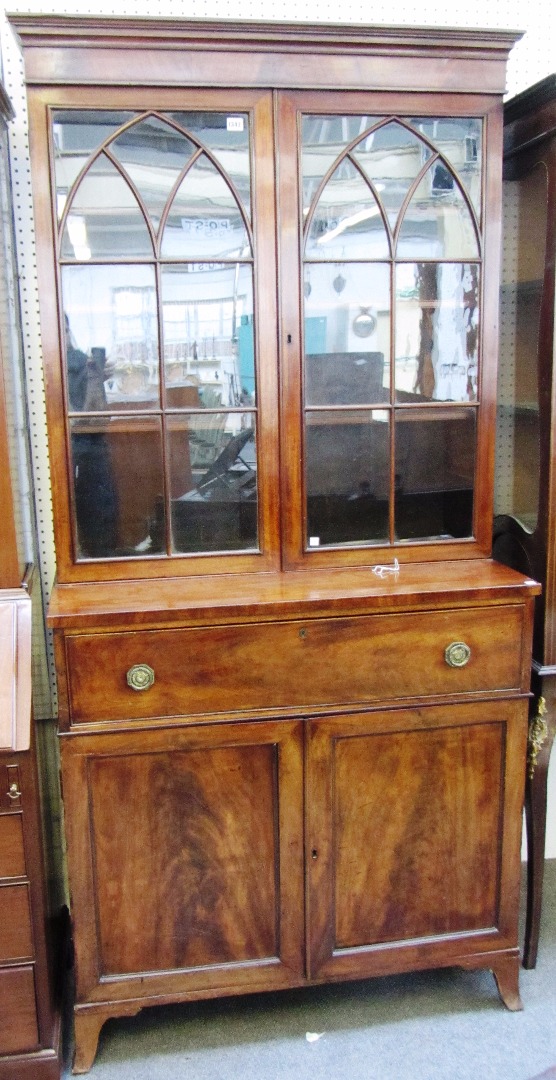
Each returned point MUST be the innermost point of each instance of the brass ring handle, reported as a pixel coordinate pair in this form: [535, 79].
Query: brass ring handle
[457, 654]
[14, 792]
[140, 677]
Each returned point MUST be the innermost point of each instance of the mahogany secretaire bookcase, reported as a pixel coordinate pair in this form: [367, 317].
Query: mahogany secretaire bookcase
[293, 683]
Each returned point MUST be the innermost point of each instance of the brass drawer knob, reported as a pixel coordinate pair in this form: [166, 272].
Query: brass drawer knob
[140, 677]
[457, 654]
[14, 792]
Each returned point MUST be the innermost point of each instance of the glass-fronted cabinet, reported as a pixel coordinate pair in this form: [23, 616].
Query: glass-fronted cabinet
[197, 432]
[525, 491]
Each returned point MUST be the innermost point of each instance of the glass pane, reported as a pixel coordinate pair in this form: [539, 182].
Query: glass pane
[392, 157]
[204, 221]
[437, 331]
[213, 468]
[437, 224]
[526, 206]
[76, 134]
[153, 155]
[323, 140]
[117, 478]
[226, 135]
[459, 139]
[111, 337]
[105, 220]
[347, 223]
[435, 468]
[347, 477]
[347, 333]
[207, 313]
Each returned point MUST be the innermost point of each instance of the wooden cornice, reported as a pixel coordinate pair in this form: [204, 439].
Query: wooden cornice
[47, 40]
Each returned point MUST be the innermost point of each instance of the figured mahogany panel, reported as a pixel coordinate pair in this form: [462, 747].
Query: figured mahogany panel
[12, 855]
[405, 836]
[186, 870]
[435, 796]
[276, 665]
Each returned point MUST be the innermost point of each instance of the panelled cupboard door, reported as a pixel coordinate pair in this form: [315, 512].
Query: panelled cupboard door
[405, 842]
[185, 859]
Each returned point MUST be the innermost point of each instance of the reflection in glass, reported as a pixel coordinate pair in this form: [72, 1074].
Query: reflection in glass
[111, 337]
[347, 477]
[526, 205]
[437, 331]
[76, 134]
[208, 335]
[226, 135]
[392, 157]
[459, 140]
[117, 486]
[204, 222]
[213, 467]
[437, 223]
[435, 467]
[347, 333]
[323, 139]
[153, 154]
[105, 220]
[347, 223]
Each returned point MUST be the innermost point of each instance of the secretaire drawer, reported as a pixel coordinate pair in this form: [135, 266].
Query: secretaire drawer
[294, 664]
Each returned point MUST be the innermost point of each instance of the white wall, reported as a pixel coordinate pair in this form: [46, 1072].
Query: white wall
[532, 58]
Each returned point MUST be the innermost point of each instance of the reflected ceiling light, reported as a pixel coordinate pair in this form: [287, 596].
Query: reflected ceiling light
[77, 232]
[348, 223]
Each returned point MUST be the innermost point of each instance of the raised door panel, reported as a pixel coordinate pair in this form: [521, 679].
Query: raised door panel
[406, 842]
[189, 867]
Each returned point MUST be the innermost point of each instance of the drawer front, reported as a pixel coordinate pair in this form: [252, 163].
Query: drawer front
[12, 854]
[16, 940]
[18, 1011]
[293, 665]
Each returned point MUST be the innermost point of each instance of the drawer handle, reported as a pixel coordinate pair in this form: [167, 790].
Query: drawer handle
[457, 654]
[140, 677]
[14, 792]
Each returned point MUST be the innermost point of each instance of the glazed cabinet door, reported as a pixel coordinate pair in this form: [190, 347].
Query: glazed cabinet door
[406, 843]
[185, 859]
[162, 365]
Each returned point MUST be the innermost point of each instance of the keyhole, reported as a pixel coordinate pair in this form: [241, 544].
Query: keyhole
[314, 854]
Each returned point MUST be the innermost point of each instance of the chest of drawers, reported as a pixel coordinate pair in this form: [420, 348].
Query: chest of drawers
[29, 1011]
